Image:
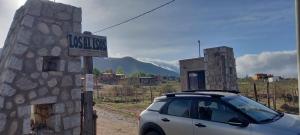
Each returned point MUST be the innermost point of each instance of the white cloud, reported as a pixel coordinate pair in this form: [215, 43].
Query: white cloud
[172, 65]
[283, 63]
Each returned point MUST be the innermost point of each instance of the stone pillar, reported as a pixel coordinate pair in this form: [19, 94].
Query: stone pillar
[38, 31]
[220, 69]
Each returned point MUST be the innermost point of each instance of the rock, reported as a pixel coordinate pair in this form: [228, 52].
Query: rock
[19, 99]
[77, 27]
[62, 64]
[49, 41]
[14, 63]
[32, 95]
[54, 122]
[8, 76]
[56, 51]
[30, 55]
[59, 108]
[77, 17]
[70, 107]
[3, 119]
[63, 42]
[24, 111]
[13, 114]
[64, 95]
[78, 81]
[38, 38]
[42, 91]
[35, 75]
[33, 7]
[57, 31]
[52, 82]
[41, 82]
[78, 106]
[25, 83]
[1, 102]
[20, 49]
[43, 27]
[67, 81]
[24, 36]
[7, 90]
[71, 121]
[55, 91]
[13, 128]
[27, 21]
[43, 52]
[76, 131]
[74, 66]
[45, 75]
[76, 93]
[8, 105]
[63, 16]
[46, 100]
[39, 63]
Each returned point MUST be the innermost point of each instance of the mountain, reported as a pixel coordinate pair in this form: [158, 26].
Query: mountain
[131, 65]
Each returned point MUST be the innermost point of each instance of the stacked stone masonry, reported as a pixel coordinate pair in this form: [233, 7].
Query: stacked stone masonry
[219, 66]
[39, 29]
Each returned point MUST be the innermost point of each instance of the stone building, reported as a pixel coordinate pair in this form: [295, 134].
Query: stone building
[40, 86]
[215, 71]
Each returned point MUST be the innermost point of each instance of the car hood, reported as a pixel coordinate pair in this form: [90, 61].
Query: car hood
[288, 122]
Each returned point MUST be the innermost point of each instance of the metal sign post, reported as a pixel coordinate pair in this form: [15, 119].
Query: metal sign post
[88, 46]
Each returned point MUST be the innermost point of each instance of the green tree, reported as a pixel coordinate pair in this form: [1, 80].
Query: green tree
[96, 72]
[119, 70]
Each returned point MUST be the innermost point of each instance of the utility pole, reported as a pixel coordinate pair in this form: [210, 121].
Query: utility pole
[199, 43]
[88, 95]
[297, 7]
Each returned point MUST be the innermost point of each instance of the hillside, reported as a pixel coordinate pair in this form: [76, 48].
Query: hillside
[131, 65]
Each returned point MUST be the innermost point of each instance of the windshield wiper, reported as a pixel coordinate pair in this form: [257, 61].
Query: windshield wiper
[276, 117]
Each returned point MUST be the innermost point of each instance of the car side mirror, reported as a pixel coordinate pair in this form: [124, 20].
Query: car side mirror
[238, 122]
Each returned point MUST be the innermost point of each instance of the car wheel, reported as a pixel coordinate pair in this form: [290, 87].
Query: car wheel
[152, 133]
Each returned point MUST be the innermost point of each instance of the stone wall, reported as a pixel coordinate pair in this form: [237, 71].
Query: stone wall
[39, 29]
[196, 64]
[221, 69]
[219, 66]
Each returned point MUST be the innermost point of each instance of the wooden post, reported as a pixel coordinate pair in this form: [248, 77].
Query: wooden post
[274, 96]
[151, 95]
[268, 94]
[88, 100]
[255, 92]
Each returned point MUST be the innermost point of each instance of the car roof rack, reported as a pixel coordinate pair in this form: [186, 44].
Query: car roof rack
[190, 93]
[228, 91]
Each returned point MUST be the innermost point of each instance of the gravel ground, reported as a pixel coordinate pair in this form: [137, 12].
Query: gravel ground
[113, 123]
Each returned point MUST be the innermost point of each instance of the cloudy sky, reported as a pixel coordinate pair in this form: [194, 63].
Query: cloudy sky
[262, 32]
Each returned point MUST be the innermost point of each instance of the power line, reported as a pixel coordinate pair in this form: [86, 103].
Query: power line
[133, 18]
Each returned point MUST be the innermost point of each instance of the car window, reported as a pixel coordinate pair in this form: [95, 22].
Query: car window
[215, 111]
[156, 106]
[180, 108]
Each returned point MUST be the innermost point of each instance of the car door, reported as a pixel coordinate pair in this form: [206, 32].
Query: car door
[175, 118]
[212, 117]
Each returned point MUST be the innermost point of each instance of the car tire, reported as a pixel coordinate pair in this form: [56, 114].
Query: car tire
[153, 133]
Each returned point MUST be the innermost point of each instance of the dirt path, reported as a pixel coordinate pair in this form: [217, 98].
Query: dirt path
[113, 123]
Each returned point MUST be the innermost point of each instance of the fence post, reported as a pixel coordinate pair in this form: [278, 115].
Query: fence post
[274, 96]
[255, 92]
[268, 94]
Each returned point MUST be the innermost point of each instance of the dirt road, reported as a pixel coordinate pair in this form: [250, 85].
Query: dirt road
[113, 123]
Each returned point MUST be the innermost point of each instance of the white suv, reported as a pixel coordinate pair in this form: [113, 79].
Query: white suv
[214, 113]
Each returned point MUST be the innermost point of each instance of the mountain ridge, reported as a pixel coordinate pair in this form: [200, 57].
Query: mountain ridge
[131, 65]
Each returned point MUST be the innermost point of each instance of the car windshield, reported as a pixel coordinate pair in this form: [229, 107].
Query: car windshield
[253, 109]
